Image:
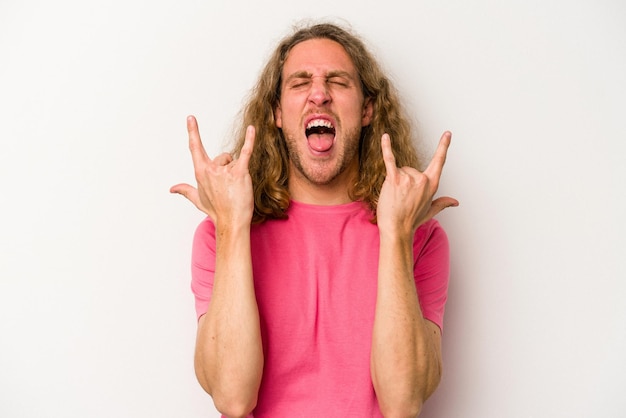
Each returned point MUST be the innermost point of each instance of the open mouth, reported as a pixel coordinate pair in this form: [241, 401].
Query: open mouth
[320, 134]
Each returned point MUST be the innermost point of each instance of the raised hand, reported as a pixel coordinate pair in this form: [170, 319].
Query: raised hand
[406, 198]
[224, 189]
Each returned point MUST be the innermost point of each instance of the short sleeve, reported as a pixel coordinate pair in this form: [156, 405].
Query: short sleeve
[431, 270]
[203, 265]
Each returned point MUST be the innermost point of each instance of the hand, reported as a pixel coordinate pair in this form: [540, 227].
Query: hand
[224, 189]
[406, 198]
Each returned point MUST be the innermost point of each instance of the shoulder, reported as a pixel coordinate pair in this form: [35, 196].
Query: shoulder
[203, 240]
[430, 237]
[429, 233]
[205, 229]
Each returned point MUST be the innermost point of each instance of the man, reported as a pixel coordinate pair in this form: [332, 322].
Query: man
[319, 274]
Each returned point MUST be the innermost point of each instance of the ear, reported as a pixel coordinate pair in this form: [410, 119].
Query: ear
[368, 112]
[278, 116]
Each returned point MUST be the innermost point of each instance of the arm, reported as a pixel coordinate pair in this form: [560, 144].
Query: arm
[406, 347]
[229, 356]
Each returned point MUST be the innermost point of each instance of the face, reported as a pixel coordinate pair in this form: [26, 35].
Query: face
[321, 113]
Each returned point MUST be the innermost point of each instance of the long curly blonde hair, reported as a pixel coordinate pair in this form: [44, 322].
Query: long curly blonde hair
[269, 164]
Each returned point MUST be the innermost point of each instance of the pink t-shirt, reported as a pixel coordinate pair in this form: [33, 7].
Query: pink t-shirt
[315, 278]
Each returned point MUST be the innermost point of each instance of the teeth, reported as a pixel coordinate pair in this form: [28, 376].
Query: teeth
[318, 123]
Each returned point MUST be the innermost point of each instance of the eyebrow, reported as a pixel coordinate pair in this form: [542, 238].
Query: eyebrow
[330, 74]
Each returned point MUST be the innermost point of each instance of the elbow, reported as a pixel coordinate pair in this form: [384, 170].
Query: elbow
[408, 403]
[232, 407]
[231, 402]
[409, 410]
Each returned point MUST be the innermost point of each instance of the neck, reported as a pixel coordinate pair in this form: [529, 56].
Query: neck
[336, 192]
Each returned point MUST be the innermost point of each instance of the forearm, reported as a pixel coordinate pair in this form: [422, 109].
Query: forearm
[406, 359]
[229, 355]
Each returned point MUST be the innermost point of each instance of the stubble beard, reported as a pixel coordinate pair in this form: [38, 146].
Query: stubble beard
[325, 172]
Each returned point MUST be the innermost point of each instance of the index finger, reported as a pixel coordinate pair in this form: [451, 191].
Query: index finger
[436, 163]
[198, 154]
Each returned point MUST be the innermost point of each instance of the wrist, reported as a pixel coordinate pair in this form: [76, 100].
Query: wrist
[395, 233]
[231, 230]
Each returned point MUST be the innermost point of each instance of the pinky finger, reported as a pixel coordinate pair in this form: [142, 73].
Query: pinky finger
[388, 157]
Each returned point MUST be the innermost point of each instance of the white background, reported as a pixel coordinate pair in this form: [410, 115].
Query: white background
[96, 314]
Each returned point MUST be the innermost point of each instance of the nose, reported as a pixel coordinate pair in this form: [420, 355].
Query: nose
[319, 94]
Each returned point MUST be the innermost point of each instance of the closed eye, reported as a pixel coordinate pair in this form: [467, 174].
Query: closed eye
[339, 81]
[299, 82]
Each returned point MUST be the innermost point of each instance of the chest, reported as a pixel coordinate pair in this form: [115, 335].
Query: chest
[317, 279]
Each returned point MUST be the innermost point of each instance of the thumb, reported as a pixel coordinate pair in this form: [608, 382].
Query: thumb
[191, 193]
[440, 204]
